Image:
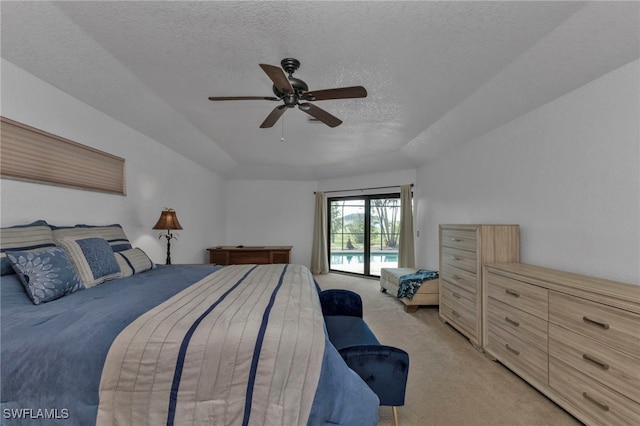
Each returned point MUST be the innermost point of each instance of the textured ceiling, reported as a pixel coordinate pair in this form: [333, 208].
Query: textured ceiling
[438, 74]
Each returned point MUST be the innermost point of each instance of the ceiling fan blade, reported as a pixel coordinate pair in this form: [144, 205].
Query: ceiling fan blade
[277, 75]
[339, 93]
[242, 98]
[320, 114]
[273, 117]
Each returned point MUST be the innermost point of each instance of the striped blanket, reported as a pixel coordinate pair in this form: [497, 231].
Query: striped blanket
[243, 346]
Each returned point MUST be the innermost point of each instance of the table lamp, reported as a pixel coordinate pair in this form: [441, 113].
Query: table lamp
[169, 221]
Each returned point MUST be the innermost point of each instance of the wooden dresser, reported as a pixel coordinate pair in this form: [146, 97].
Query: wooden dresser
[234, 255]
[463, 251]
[573, 337]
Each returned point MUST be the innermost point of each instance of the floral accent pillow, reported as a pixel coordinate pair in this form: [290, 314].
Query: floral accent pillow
[45, 274]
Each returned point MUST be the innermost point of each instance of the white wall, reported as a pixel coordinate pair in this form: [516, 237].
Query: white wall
[568, 173]
[156, 176]
[277, 212]
[273, 213]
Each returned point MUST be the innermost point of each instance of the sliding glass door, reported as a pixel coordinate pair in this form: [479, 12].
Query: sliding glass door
[363, 233]
[384, 232]
[347, 235]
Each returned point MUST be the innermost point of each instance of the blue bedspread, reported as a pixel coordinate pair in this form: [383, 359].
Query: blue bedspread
[52, 354]
[408, 285]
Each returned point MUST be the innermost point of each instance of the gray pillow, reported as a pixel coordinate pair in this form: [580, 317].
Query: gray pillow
[114, 234]
[34, 236]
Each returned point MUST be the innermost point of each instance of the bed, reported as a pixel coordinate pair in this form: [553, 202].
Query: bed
[178, 344]
[426, 294]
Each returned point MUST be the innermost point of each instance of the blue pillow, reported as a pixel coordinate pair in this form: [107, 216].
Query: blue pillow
[45, 274]
[93, 258]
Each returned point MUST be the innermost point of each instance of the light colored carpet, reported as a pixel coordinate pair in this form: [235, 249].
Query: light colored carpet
[450, 382]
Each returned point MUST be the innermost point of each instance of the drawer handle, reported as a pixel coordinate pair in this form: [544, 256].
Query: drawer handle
[456, 295]
[596, 361]
[588, 320]
[455, 258]
[510, 349]
[455, 314]
[512, 322]
[455, 277]
[600, 404]
[512, 292]
[456, 239]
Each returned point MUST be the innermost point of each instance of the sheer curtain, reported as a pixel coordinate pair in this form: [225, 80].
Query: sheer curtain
[406, 255]
[319, 260]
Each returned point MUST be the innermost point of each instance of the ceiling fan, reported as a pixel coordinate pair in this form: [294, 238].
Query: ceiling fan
[295, 92]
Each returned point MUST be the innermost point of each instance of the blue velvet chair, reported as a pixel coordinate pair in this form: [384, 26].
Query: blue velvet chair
[337, 302]
[384, 368]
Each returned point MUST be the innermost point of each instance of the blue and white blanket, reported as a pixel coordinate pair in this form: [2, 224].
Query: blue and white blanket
[408, 285]
[55, 368]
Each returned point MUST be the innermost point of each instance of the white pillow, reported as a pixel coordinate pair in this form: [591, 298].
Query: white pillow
[133, 261]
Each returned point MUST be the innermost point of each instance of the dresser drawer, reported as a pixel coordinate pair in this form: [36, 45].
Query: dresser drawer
[526, 297]
[466, 260]
[612, 326]
[519, 323]
[459, 316]
[522, 357]
[459, 277]
[617, 370]
[458, 296]
[459, 239]
[601, 404]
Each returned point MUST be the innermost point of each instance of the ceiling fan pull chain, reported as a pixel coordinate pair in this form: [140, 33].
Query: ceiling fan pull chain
[282, 122]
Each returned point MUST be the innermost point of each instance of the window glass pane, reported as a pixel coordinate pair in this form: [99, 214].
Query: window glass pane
[346, 235]
[363, 233]
[384, 231]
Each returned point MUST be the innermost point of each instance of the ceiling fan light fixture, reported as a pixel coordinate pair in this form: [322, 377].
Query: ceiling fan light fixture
[291, 91]
[298, 85]
[290, 100]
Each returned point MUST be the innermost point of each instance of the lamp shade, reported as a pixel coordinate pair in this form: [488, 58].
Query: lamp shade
[168, 220]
